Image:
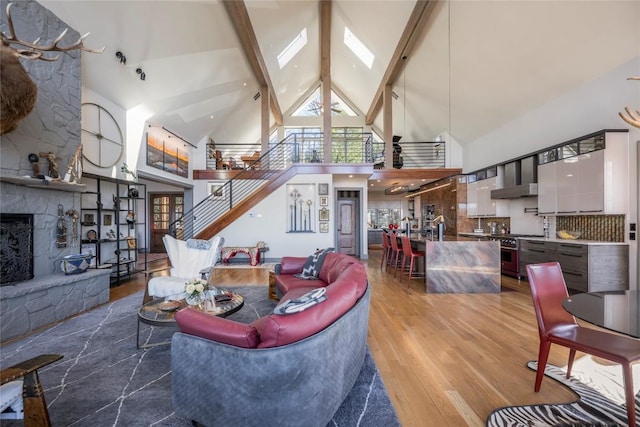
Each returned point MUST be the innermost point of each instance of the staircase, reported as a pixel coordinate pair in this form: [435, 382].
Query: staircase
[237, 195]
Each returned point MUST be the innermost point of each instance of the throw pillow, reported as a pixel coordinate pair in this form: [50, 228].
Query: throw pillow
[204, 245]
[312, 266]
[297, 305]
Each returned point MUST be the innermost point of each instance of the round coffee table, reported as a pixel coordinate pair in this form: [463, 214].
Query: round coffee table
[153, 313]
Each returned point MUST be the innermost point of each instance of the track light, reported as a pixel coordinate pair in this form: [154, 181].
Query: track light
[121, 57]
[142, 74]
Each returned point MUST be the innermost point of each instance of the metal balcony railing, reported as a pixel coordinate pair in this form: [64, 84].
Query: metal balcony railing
[295, 148]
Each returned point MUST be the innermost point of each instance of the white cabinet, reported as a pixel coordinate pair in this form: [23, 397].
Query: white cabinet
[472, 199]
[567, 185]
[591, 182]
[595, 182]
[479, 201]
[547, 189]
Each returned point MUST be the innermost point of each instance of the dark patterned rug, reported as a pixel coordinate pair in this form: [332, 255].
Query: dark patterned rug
[104, 380]
[600, 399]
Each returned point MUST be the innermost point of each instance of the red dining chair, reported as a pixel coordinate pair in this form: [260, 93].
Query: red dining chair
[387, 248]
[396, 252]
[557, 326]
[409, 252]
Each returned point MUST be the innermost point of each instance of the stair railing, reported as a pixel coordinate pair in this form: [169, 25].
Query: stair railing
[248, 180]
[298, 148]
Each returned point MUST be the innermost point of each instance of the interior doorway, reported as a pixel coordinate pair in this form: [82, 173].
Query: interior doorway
[348, 219]
[164, 208]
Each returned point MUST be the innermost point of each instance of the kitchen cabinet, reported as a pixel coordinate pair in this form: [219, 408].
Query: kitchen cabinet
[547, 189]
[472, 199]
[374, 236]
[567, 185]
[591, 176]
[587, 267]
[479, 201]
[113, 225]
[591, 183]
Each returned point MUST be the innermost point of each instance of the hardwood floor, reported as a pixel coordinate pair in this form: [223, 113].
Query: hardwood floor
[446, 359]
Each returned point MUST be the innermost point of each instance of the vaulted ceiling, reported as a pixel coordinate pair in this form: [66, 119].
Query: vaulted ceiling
[473, 66]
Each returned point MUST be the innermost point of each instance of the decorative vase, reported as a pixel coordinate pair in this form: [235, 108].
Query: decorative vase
[194, 300]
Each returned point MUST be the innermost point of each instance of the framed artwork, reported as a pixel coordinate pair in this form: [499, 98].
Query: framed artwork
[323, 214]
[324, 201]
[323, 189]
[107, 219]
[216, 190]
[324, 227]
[167, 156]
[300, 208]
[131, 243]
[88, 219]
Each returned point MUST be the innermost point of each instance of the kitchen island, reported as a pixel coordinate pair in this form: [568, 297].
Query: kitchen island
[461, 266]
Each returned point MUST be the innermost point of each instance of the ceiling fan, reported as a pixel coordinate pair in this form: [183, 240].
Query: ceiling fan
[316, 107]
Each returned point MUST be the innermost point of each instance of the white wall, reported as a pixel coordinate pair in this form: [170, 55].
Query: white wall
[267, 222]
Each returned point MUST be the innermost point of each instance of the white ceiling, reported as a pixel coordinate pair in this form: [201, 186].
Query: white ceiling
[476, 66]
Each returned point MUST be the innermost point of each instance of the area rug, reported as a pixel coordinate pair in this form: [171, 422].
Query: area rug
[104, 380]
[600, 399]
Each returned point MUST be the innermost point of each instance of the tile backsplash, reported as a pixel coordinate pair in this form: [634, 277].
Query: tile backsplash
[607, 228]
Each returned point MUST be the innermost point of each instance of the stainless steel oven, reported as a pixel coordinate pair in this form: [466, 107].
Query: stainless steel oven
[509, 257]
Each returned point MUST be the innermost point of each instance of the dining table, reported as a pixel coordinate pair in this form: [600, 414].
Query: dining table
[613, 310]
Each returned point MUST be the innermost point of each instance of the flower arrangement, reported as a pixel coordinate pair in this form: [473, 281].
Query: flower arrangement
[194, 291]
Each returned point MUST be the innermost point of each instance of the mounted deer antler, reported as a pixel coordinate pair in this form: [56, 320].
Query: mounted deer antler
[632, 118]
[18, 92]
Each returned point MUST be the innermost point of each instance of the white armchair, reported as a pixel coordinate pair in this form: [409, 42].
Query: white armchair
[189, 259]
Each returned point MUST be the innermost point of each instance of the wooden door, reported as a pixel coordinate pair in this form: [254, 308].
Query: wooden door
[347, 227]
[164, 209]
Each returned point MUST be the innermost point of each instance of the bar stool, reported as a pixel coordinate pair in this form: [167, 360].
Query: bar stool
[408, 252]
[396, 252]
[387, 248]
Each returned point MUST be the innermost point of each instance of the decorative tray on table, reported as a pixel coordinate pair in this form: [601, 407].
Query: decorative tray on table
[169, 305]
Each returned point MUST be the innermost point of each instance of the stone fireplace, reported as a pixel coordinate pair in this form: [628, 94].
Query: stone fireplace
[41, 205]
[16, 248]
[52, 127]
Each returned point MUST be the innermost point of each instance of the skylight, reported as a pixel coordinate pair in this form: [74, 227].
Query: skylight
[358, 48]
[293, 48]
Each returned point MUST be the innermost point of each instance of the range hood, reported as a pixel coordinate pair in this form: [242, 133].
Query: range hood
[520, 180]
[516, 191]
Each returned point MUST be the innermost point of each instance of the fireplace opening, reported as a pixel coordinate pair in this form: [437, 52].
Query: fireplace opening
[16, 248]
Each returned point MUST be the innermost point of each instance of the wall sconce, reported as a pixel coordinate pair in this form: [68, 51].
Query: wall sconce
[142, 74]
[121, 57]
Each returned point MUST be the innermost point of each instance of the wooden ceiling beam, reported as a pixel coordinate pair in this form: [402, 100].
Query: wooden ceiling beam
[325, 74]
[241, 22]
[415, 24]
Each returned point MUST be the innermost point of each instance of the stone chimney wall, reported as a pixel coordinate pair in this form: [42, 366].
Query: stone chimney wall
[53, 126]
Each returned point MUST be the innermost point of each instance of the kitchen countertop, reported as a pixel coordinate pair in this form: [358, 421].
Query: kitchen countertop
[575, 242]
[551, 239]
[480, 235]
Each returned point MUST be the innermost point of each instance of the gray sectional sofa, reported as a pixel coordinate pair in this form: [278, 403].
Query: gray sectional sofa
[282, 370]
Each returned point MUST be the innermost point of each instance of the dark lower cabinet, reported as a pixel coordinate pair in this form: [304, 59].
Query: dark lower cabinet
[587, 267]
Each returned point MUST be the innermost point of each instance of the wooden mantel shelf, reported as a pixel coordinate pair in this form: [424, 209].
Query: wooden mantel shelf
[59, 185]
